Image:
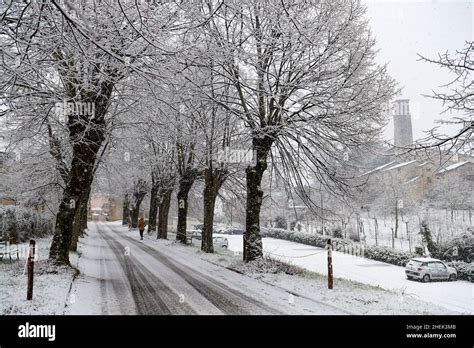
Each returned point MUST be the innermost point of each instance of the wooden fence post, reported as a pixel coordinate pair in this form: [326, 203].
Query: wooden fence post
[30, 266]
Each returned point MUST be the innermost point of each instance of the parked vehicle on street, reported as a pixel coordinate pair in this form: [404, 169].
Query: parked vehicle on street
[427, 269]
[220, 242]
[235, 231]
[198, 229]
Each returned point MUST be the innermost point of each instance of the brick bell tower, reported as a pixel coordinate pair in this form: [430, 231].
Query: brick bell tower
[403, 134]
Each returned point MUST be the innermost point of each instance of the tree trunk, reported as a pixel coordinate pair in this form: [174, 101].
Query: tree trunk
[393, 238]
[214, 178]
[78, 226]
[86, 139]
[85, 215]
[81, 176]
[254, 174]
[376, 227]
[126, 209]
[153, 208]
[252, 238]
[396, 220]
[185, 184]
[76, 229]
[135, 212]
[164, 209]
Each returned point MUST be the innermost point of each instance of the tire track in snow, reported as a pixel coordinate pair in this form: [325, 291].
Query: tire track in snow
[226, 299]
[103, 285]
[151, 295]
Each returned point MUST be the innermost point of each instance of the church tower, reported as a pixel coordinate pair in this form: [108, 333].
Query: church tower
[403, 134]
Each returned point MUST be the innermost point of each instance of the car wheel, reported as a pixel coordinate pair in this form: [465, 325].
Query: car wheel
[426, 278]
[452, 277]
[409, 278]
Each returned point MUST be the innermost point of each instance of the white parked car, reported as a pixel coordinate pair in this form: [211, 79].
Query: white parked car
[427, 269]
[220, 242]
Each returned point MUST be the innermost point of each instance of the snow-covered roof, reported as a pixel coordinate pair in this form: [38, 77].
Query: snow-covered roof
[400, 165]
[379, 168]
[452, 166]
[413, 179]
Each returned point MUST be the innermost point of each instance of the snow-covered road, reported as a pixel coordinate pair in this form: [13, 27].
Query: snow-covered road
[123, 275]
[457, 296]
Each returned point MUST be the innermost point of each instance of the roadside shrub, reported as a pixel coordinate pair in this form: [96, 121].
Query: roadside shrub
[462, 268]
[280, 222]
[19, 224]
[267, 265]
[419, 250]
[292, 225]
[464, 246]
[337, 232]
[388, 255]
[354, 236]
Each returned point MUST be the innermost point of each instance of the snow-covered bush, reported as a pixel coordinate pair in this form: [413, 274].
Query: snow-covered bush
[388, 255]
[19, 224]
[307, 238]
[337, 232]
[462, 268]
[354, 236]
[458, 249]
[280, 222]
[267, 265]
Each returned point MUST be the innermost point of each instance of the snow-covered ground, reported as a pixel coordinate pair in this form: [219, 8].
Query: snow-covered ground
[457, 296]
[50, 290]
[122, 275]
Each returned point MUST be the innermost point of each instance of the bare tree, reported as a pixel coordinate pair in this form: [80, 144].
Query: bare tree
[458, 96]
[305, 84]
[58, 54]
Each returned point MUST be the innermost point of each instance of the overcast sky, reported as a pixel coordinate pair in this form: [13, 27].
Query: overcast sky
[404, 28]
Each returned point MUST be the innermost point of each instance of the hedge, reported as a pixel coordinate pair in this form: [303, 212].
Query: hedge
[19, 224]
[462, 268]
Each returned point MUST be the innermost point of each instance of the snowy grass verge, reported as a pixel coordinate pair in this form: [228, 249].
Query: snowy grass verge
[377, 253]
[50, 290]
[353, 297]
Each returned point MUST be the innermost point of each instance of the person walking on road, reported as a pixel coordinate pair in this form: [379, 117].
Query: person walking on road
[141, 226]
